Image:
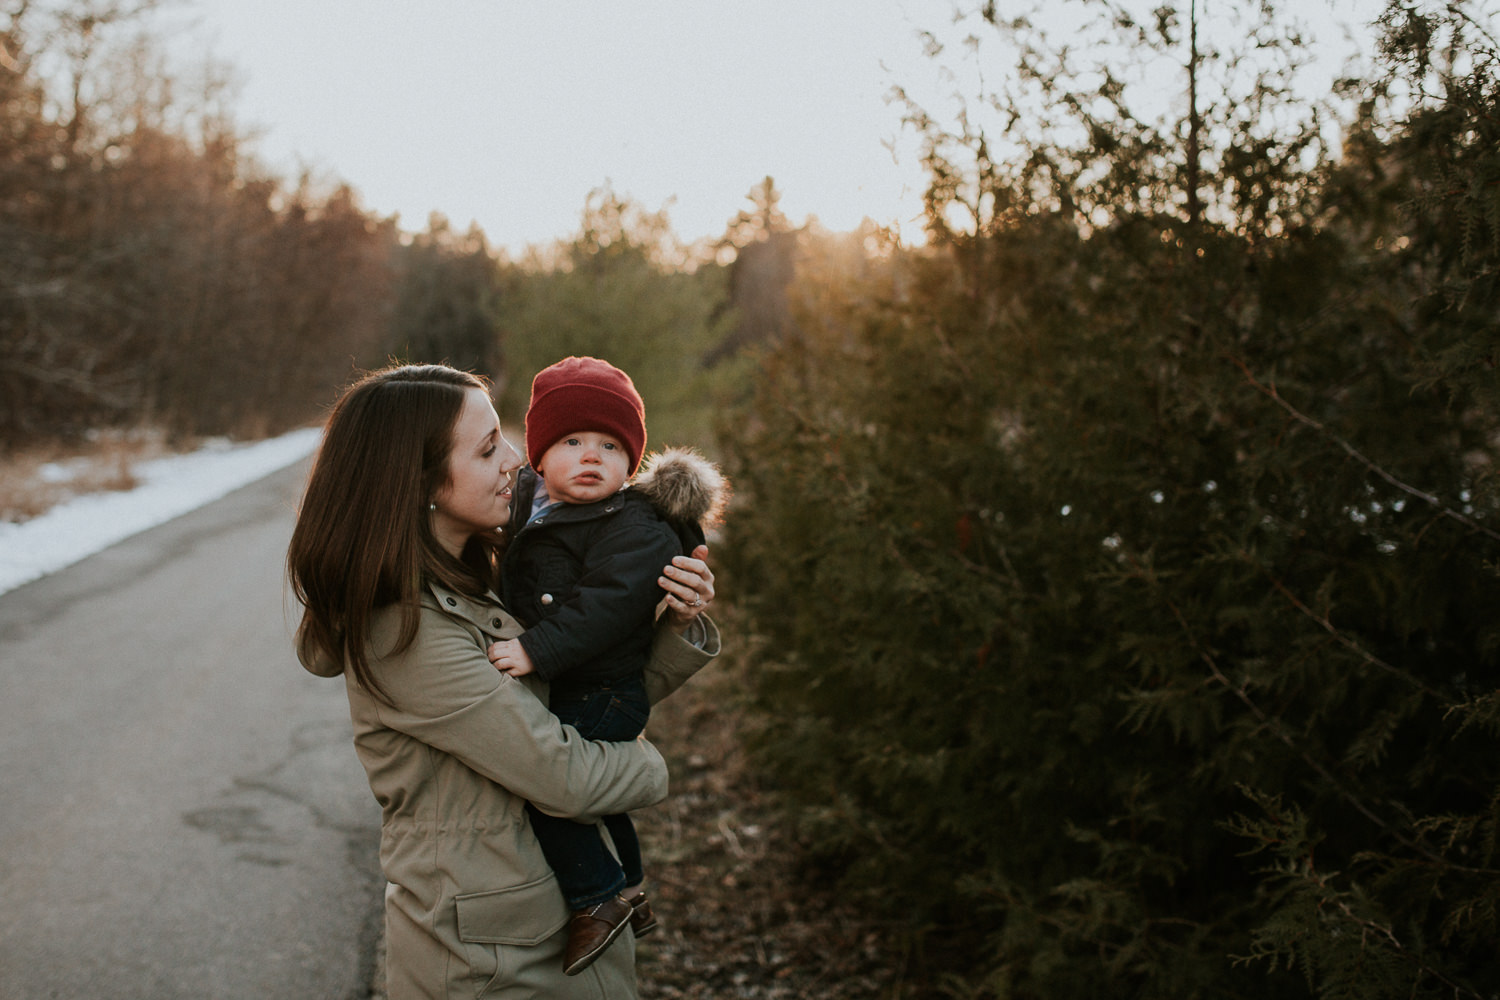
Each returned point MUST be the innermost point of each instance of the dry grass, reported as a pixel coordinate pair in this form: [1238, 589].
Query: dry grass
[36, 478]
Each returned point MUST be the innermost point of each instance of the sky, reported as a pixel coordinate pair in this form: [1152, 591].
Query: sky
[509, 114]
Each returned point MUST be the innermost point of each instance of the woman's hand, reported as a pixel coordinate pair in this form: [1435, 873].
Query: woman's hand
[689, 584]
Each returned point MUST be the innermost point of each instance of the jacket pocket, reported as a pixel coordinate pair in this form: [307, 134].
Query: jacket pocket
[521, 915]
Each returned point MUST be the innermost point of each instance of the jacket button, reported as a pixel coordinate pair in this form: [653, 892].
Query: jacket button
[494, 623]
[452, 603]
[546, 598]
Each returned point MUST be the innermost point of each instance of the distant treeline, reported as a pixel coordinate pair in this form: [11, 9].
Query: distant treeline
[152, 273]
[148, 273]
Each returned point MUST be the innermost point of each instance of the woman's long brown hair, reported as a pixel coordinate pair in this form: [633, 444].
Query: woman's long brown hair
[363, 540]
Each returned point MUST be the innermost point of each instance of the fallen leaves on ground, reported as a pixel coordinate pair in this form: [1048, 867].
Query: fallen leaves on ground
[737, 918]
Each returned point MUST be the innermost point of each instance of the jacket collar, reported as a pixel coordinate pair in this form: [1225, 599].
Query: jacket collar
[571, 512]
[485, 614]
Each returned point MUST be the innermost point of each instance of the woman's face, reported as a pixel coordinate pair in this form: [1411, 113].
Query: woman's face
[481, 468]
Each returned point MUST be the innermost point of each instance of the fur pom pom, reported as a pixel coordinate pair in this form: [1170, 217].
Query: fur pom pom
[684, 486]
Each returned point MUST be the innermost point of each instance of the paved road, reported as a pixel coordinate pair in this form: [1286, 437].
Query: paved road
[181, 812]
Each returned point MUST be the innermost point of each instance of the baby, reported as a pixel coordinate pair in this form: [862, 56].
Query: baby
[581, 574]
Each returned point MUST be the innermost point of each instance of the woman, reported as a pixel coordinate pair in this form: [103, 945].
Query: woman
[393, 559]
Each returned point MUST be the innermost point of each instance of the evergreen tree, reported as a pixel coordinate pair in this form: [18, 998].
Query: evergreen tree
[1120, 563]
[762, 247]
[1444, 155]
[619, 291]
[447, 299]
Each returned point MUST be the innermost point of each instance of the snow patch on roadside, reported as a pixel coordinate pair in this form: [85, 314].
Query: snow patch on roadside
[169, 487]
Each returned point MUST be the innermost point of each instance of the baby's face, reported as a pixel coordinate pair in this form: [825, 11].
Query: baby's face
[584, 467]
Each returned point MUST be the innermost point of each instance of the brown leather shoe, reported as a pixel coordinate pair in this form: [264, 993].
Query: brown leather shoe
[642, 920]
[592, 930]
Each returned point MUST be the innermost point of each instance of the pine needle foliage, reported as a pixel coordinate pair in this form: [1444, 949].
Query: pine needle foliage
[1127, 589]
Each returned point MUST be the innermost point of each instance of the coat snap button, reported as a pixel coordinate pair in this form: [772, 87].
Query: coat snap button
[494, 623]
[546, 598]
[452, 603]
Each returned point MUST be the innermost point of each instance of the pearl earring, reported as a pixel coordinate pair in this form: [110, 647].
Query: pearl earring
[432, 506]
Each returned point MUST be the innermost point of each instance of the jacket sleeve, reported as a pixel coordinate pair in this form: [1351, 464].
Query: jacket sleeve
[616, 593]
[674, 658]
[446, 694]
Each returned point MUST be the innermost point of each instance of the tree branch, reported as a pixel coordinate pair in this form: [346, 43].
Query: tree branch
[1270, 392]
[1274, 726]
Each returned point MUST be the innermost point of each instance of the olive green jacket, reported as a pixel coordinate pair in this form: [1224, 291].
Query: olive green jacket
[471, 908]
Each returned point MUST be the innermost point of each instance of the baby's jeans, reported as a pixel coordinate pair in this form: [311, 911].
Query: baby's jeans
[586, 870]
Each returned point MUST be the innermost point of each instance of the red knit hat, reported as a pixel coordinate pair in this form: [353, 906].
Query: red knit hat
[584, 394]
